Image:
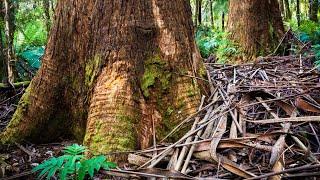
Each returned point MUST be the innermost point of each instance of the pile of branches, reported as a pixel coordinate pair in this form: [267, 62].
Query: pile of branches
[260, 121]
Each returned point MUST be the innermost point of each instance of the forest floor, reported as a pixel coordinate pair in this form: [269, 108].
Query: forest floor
[257, 120]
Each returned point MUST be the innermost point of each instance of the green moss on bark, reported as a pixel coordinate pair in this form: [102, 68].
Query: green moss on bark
[156, 70]
[13, 132]
[120, 136]
[92, 69]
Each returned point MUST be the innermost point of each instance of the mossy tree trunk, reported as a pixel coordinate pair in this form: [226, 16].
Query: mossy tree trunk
[112, 69]
[256, 25]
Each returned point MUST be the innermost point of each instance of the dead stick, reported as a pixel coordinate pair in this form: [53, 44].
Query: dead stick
[185, 148]
[25, 150]
[291, 119]
[306, 167]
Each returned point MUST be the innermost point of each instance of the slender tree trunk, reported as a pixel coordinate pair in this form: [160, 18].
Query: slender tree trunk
[282, 9]
[46, 7]
[52, 5]
[3, 66]
[10, 60]
[313, 12]
[298, 12]
[288, 11]
[211, 13]
[196, 15]
[256, 25]
[112, 69]
[223, 21]
[200, 12]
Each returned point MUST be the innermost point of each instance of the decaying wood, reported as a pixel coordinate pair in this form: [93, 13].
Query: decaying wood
[261, 120]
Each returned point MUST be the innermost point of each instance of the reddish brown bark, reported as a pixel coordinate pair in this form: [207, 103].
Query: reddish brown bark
[256, 25]
[110, 70]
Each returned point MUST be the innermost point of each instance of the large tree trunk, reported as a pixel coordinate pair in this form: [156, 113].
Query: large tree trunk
[256, 25]
[110, 70]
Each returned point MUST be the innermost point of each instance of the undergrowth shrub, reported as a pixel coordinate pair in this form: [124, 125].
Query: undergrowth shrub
[215, 42]
[73, 164]
[308, 32]
[316, 50]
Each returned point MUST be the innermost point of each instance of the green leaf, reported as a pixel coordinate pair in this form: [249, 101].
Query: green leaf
[109, 165]
[44, 171]
[82, 172]
[52, 172]
[74, 149]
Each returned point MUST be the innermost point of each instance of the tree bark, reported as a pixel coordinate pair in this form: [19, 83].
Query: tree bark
[223, 21]
[9, 25]
[255, 25]
[282, 9]
[200, 12]
[46, 7]
[110, 70]
[314, 7]
[298, 12]
[211, 13]
[288, 11]
[3, 67]
[196, 14]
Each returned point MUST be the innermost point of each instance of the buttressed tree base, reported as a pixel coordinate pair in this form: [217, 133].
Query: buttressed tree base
[111, 69]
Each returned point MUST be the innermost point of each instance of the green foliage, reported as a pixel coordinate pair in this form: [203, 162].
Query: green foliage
[220, 6]
[73, 164]
[32, 55]
[316, 49]
[74, 150]
[215, 42]
[30, 25]
[308, 31]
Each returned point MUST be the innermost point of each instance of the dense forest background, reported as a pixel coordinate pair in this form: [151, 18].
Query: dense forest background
[25, 25]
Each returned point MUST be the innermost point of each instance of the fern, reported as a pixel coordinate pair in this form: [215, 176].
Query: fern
[73, 164]
[74, 150]
[215, 42]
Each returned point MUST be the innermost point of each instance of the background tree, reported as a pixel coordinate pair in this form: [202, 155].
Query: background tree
[298, 13]
[255, 25]
[111, 69]
[313, 12]
[288, 14]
